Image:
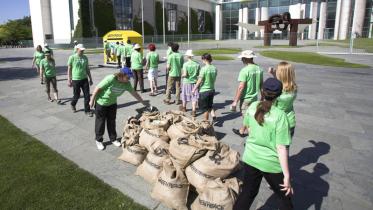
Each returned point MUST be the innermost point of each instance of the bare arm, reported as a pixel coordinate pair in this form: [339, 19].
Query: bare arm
[283, 153]
[69, 75]
[138, 98]
[239, 90]
[93, 97]
[199, 81]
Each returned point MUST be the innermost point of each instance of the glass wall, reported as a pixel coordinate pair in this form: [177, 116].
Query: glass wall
[123, 13]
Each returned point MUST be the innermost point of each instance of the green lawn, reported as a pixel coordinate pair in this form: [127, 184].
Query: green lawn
[32, 176]
[279, 46]
[359, 43]
[216, 51]
[93, 51]
[222, 58]
[310, 58]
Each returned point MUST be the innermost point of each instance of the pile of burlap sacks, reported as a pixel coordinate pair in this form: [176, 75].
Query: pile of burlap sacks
[174, 152]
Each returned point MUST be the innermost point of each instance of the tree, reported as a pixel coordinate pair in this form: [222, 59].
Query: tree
[16, 30]
[84, 26]
[104, 16]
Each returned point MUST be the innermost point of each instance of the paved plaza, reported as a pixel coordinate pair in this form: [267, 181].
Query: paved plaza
[331, 156]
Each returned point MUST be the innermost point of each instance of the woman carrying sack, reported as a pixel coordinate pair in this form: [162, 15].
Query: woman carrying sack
[106, 94]
[38, 56]
[266, 151]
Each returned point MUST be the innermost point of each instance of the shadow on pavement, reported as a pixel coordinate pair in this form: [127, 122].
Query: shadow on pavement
[13, 59]
[309, 187]
[14, 73]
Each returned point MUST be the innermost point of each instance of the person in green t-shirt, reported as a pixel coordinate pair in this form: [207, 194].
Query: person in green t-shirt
[107, 51]
[127, 53]
[152, 60]
[116, 53]
[104, 99]
[174, 64]
[206, 84]
[38, 56]
[266, 151]
[48, 69]
[78, 74]
[137, 67]
[285, 72]
[250, 80]
[75, 46]
[168, 53]
[189, 74]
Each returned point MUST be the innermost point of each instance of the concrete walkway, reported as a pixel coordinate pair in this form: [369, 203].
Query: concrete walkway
[331, 156]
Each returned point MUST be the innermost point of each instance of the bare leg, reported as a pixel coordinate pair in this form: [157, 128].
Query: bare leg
[151, 82]
[213, 113]
[56, 96]
[194, 105]
[155, 85]
[206, 115]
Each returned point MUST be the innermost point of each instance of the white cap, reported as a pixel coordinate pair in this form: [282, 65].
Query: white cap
[137, 46]
[80, 46]
[46, 45]
[189, 53]
[75, 41]
[247, 54]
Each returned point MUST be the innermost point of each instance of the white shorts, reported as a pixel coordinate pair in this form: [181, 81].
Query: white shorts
[152, 74]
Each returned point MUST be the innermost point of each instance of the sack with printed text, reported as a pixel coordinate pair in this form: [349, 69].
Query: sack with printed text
[134, 154]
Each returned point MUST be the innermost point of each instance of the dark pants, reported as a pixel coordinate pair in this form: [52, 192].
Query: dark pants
[105, 114]
[119, 61]
[84, 85]
[138, 78]
[251, 184]
[128, 62]
[48, 81]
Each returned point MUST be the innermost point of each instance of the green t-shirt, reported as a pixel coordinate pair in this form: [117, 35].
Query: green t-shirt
[169, 52]
[285, 103]
[261, 145]
[120, 50]
[128, 50]
[136, 60]
[252, 75]
[175, 61]
[153, 59]
[49, 67]
[79, 66]
[192, 69]
[111, 89]
[38, 57]
[208, 75]
[107, 46]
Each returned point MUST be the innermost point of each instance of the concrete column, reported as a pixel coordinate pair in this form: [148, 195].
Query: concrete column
[313, 15]
[263, 16]
[239, 34]
[218, 22]
[359, 14]
[75, 12]
[245, 19]
[61, 22]
[36, 22]
[345, 19]
[295, 11]
[257, 19]
[337, 19]
[322, 19]
[371, 26]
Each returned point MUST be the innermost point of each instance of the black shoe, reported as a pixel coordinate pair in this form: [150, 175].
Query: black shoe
[237, 132]
[73, 108]
[89, 114]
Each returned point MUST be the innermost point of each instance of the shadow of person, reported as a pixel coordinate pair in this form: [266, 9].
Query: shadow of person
[309, 187]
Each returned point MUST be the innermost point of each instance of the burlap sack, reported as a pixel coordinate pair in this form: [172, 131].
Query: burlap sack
[148, 137]
[172, 116]
[159, 122]
[183, 128]
[149, 115]
[218, 194]
[206, 128]
[152, 165]
[218, 163]
[134, 154]
[171, 187]
[131, 132]
[185, 150]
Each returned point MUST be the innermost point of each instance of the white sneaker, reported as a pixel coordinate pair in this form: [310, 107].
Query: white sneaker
[99, 145]
[116, 143]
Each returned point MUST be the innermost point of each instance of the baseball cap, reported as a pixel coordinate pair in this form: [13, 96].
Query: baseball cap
[189, 53]
[273, 85]
[127, 71]
[247, 54]
[80, 46]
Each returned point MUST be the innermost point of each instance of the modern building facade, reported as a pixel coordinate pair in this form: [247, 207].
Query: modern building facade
[57, 20]
[334, 19]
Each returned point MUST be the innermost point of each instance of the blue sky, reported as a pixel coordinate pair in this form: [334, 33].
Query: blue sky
[13, 9]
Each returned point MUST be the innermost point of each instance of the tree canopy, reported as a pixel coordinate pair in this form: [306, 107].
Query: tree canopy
[16, 30]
